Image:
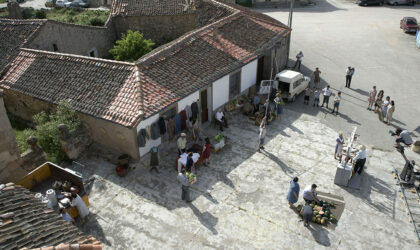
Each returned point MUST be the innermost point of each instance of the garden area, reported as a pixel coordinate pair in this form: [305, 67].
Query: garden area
[65, 15]
[45, 128]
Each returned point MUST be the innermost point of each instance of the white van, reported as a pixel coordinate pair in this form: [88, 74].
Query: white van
[291, 84]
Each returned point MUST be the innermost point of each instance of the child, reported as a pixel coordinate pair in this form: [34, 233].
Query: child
[316, 97]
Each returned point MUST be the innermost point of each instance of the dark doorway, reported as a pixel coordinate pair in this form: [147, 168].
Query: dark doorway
[204, 106]
[260, 70]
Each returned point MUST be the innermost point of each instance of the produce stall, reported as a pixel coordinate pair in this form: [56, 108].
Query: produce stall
[53, 186]
[218, 143]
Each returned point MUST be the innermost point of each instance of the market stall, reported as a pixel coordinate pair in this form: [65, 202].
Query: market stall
[218, 142]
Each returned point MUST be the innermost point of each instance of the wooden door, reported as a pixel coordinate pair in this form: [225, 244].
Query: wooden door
[204, 106]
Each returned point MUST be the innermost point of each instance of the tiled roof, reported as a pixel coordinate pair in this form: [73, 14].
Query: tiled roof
[33, 225]
[15, 33]
[227, 37]
[203, 56]
[101, 88]
[151, 7]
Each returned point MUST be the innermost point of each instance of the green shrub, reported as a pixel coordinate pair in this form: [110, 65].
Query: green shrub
[21, 136]
[131, 47]
[28, 13]
[96, 21]
[40, 14]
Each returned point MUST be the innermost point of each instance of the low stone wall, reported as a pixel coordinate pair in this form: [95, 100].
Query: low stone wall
[74, 142]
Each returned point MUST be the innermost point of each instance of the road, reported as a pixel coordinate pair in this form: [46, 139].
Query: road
[336, 34]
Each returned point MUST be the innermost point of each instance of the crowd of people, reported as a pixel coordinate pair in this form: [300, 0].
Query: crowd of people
[384, 108]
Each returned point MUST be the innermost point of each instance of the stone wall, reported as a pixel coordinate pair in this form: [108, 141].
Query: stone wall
[74, 39]
[74, 142]
[160, 29]
[107, 133]
[9, 151]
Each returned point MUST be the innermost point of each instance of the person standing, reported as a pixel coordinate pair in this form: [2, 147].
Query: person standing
[206, 152]
[359, 160]
[379, 101]
[293, 194]
[261, 136]
[337, 100]
[308, 92]
[349, 75]
[339, 146]
[326, 92]
[371, 99]
[298, 60]
[81, 206]
[185, 182]
[316, 76]
[390, 112]
[316, 97]
[154, 159]
[182, 143]
[256, 103]
[384, 108]
[196, 130]
[279, 105]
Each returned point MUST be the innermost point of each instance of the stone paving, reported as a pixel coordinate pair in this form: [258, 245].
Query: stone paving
[240, 200]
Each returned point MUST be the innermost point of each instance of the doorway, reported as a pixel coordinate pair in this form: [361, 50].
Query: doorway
[204, 106]
[260, 71]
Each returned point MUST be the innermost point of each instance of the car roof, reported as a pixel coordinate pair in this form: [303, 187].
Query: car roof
[410, 18]
[288, 75]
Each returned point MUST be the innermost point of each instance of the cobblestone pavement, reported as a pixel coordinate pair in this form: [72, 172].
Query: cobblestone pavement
[240, 200]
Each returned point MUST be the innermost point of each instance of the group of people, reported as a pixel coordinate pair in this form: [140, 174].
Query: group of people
[76, 201]
[309, 195]
[326, 94]
[384, 108]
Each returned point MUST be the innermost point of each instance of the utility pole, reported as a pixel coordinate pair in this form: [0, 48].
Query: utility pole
[289, 22]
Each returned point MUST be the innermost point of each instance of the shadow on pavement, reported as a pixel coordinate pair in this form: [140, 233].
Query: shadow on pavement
[92, 227]
[320, 234]
[206, 219]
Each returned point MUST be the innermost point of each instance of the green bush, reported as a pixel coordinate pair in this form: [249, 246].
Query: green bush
[40, 14]
[48, 133]
[131, 47]
[96, 21]
[21, 136]
[28, 13]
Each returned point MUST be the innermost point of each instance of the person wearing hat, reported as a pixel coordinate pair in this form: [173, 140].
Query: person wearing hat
[182, 143]
[359, 160]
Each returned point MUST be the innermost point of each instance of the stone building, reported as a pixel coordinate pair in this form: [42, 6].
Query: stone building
[218, 52]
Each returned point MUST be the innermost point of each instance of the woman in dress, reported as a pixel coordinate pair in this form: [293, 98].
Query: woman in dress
[293, 194]
[379, 101]
[390, 112]
[278, 101]
[206, 152]
[339, 146]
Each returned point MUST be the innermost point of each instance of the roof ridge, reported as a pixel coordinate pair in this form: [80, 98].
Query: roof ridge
[190, 34]
[24, 20]
[35, 51]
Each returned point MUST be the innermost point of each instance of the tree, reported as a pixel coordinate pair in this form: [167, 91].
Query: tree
[131, 47]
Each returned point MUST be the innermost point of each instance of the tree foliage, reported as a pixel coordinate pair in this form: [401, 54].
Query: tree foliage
[131, 47]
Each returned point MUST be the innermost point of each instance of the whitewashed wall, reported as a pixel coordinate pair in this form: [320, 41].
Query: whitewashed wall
[188, 100]
[220, 92]
[149, 143]
[249, 75]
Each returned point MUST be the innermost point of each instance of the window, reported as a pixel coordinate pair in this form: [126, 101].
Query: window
[93, 53]
[55, 47]
[234, 84]
[169, 113]
[297, 83]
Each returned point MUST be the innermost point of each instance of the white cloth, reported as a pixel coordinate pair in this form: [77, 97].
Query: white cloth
[66, 217]
[195, 157]
[348, 72]
[360, 155]
[326, 92]
[307, 193]
[182, 161]
[219, 116]
[81, 206]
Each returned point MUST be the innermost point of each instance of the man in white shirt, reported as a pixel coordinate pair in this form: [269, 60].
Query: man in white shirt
[326, 93]
[221, 119]
[310, 194]
[81, 206]
[359, 160]
[349, 75]
[298, 60]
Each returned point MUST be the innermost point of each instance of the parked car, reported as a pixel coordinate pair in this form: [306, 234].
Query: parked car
[409, 24]
[76, 4]
[370, 2]
[291, 84]
[60, 3]
[400, 2]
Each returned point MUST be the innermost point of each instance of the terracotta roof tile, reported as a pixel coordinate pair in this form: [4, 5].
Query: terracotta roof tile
[30, 227]
[15, 33]
[151, 7]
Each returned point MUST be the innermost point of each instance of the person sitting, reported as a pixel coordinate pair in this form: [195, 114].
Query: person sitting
[402, 136]
[182, 143]
[310, 194]
[359, 160]
[221, 119]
